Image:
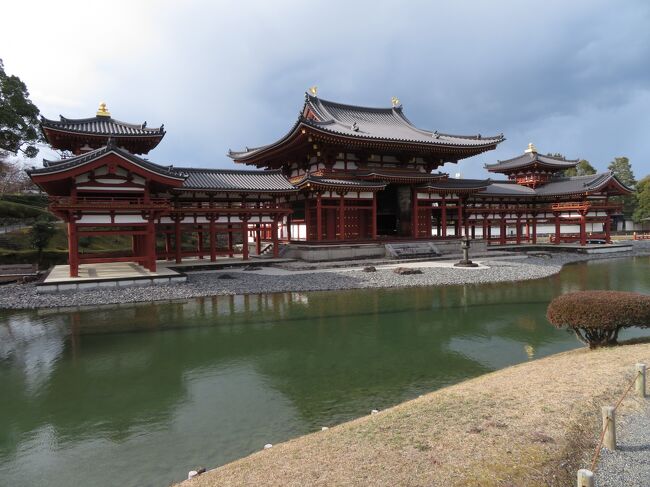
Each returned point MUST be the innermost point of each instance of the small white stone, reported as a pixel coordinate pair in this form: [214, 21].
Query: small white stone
[374, 411]
[191, 474]
[267, 446]
[324, 428]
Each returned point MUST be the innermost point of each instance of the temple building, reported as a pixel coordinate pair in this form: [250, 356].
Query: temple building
[342, 175]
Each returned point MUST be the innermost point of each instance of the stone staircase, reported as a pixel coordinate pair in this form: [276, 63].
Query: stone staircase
[412, 250]
[267, 251]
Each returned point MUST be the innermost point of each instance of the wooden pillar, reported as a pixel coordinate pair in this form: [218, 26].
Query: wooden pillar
[373, 221]
[258, 239]
[583, 228]
[168, 244]
[459, 224]
[73, 247]
[473, 232]
[502, 231]
[231, 252]
[608, 228]
[527, 230]
[443, 217]
[213, 239]
[518, 232]
[134, 245]
[199, 244]
[151, 244]
[178, 244]
[558, 229]
[307, 218]
[414, 214]
[534, 228]
[319, 217]
[486, 235]
[274, 237]
[341, 216]
[244, 238]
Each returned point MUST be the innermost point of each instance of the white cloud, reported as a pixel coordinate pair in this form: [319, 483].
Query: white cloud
[230, 74]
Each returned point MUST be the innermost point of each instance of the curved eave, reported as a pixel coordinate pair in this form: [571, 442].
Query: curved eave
[488, 142]
[235, 190]
[311, 183]
[303, 127]
[612, 180]
[497, 168]
[57, 125]
[102, 135]
[65, 166]
[450, 189]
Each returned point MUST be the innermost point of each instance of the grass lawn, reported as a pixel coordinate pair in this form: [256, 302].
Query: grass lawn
[533, 424]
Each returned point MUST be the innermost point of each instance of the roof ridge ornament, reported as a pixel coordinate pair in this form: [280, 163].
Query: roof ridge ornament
[531, 149]
[313, 90]
[395, 102]
[102, 111]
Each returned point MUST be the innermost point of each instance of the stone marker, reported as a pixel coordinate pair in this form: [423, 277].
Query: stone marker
[406, 271]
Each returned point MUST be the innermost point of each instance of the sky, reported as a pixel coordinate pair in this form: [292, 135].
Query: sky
[571, 77]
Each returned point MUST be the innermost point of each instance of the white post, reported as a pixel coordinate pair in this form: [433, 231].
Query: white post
[585, 478]
[640, 379]
[608, 413]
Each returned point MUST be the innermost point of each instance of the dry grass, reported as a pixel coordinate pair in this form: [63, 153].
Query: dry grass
[527, 425]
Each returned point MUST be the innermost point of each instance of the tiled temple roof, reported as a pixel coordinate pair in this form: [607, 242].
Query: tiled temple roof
[102, 125]
[457, 184]
[54, 166]
[236, 180]
[370, 124]
[565, 186]
[579, 184]
[531, 158]
[382, 123]
[310, 179]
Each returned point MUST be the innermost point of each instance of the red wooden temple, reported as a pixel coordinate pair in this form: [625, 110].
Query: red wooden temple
[342, 174]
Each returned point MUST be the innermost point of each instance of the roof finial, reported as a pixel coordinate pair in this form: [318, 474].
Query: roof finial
[313, 91]
[395, 102]
[102, 111]
[531, 149]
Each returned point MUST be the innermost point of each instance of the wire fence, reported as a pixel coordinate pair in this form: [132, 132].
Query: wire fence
[608, 433]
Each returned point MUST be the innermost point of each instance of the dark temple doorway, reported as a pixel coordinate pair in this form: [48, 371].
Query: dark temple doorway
[394, 211]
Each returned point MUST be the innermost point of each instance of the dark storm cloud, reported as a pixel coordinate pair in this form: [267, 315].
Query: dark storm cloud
[572, 77]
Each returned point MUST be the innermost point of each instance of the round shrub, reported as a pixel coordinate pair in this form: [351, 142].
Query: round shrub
[596, 317]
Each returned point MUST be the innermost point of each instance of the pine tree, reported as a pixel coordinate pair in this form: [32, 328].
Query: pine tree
[622, 169]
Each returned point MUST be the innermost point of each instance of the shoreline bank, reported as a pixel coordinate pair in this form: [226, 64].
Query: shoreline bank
[491, 430]
[270, 280]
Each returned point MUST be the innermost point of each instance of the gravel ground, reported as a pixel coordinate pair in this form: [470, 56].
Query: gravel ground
[22, 296]
[628, 466]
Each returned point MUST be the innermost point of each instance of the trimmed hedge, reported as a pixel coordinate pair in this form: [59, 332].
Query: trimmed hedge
[596, 317]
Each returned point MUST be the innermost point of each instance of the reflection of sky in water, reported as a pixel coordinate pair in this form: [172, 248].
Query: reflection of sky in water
[32, 346]
[140, 394]
[217, 418]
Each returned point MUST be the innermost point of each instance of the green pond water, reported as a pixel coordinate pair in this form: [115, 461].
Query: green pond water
[140, 394]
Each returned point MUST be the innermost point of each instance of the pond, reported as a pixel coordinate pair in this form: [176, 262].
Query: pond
[140, 394]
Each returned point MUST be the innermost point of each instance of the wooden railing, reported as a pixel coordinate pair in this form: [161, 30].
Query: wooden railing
[67, 202]
[553, 207]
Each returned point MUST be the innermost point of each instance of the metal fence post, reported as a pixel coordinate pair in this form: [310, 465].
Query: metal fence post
[585, 478]
[609, 426]
[640, 379]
